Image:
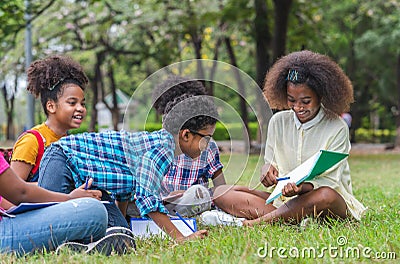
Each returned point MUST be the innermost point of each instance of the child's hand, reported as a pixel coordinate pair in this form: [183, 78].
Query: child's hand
[198, 234]
[268, 175]
[291, 189]
[81, 192]
[250, 222]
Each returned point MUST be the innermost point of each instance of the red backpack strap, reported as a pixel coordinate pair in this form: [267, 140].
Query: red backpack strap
[40, 149]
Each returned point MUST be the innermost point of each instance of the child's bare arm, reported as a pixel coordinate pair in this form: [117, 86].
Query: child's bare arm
[163, 221]
[218, 178]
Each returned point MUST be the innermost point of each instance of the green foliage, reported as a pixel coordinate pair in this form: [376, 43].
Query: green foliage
[222, 132]
[377, 42]
[364, 135]
[11, 21]
[153, 126]
[235, 132]
[82, 129]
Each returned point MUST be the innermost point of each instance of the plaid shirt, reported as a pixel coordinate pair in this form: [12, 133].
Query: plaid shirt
[185, 171]
[122, 163]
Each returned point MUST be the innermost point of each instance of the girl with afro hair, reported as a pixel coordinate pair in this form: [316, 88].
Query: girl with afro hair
[312, 90]
[60, 83]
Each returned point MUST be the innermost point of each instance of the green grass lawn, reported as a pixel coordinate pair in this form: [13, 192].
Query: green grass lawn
[374, 239]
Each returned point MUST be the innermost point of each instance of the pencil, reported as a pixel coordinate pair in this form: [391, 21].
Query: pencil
[87, 182]
[184, 221]
[282, 178]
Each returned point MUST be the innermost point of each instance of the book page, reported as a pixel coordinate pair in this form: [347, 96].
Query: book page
[147, 227]
[314, 166]
[25, 207]
[295, 176]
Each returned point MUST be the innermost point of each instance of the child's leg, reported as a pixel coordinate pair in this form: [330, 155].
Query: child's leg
[321, 202]
[82, 220]
[240, 201]
[123, 206]
[54, 175]
[115, 216]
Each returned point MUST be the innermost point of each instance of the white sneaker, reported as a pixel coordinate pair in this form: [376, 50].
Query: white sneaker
[119, 230]
[113, 243]
[217, 217]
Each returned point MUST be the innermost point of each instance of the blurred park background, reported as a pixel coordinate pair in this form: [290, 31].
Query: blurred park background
[120, 43]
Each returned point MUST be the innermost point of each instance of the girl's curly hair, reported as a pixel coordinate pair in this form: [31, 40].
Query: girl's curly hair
[319, 72]
[46, 77]
[173, 87]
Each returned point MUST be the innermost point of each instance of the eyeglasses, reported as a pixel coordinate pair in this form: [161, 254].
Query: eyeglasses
[207, 138]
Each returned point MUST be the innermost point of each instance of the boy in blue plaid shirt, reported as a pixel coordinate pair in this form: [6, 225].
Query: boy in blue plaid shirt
[185, 187]
[127, 164]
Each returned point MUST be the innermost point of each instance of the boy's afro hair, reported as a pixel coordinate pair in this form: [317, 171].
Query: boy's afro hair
[193, 112]
[172, 88]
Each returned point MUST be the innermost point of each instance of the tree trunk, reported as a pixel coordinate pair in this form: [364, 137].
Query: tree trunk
[282, 9]
[263, 41]
[10, 122]
[218, 43]
[351, 69]
[196, 41]
[96, 85]
[114, 108]
[397, 142]
[9, 110]
[242, 93]
[210, 87]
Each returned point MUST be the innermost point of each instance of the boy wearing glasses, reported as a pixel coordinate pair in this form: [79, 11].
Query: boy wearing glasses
[185, 187]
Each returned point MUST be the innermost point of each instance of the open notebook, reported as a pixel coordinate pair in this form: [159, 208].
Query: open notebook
[147, 227]
[25, 207]
[314, 166]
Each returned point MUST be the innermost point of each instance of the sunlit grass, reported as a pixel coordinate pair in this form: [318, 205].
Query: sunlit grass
[375, 183]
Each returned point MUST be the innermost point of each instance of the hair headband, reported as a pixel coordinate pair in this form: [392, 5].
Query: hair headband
[295, 76]
[64, 80]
